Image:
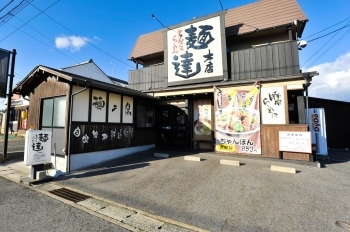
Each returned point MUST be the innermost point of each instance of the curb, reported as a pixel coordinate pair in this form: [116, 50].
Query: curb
[138, 220]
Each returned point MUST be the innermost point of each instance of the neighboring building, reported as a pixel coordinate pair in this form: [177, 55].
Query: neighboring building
[91, 118]
[337, 114]
[230, 79]
[18, 115]
[91, 70]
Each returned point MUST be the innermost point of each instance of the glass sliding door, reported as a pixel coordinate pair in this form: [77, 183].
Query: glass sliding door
[53, 118]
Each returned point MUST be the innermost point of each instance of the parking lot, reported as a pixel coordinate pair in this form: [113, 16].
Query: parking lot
[217, 197]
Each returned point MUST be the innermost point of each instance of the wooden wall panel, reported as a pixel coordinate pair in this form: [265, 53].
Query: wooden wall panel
[46, 89]
[289, 56]
[275, 60]
[265, 61]
[297, 156]
[270, 137]
[337, 116]
[153, 76]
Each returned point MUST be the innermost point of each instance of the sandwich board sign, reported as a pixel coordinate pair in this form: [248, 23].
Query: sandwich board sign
[37, 148]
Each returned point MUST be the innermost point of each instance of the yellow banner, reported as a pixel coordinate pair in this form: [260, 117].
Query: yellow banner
[226, 147]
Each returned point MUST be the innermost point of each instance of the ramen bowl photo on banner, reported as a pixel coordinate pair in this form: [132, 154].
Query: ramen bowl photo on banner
[237, 121]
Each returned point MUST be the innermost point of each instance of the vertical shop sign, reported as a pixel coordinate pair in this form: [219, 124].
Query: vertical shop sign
[195, 51]
[202, 118]
[237, 121]
[273, 105]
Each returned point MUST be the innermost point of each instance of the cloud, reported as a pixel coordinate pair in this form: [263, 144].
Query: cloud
[334, 79]
[74, 43]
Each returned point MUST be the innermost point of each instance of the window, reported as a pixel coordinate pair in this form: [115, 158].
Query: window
[53, 112]
[145, 116]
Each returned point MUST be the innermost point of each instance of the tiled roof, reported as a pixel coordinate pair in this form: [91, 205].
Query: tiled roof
[262, 15]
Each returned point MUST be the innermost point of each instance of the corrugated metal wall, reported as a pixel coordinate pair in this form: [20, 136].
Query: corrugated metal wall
[266, 61]
[153, 77]
[337, 115]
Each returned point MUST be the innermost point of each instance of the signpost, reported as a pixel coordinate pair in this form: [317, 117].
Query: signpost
[37, 150]
[4, 66]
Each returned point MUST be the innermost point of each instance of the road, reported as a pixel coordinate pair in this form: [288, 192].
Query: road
[23, 209]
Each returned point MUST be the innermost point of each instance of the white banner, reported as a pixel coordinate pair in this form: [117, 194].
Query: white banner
[317, 125]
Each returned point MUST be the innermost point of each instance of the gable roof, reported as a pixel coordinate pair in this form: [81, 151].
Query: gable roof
[88, 69]
[40, 73]
[263, 14]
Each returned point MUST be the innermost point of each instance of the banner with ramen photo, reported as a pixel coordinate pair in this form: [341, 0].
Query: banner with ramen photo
[237, 121]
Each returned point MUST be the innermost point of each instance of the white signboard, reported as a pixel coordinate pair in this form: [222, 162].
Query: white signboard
[295, 141]
[37, 148]
[128, 109]
[98, 108]
[273, 105]
[114, 108]
[317, 125]
[195, 51]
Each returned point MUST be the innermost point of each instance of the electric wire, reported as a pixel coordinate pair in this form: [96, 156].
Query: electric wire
[82, 37]
[328, 33]
[330, 47]
[347, 24]
[325, 29]
[23, 4]
[91, 43]
[28, 21]
[52, 47]
[6, 5]
[222, 8]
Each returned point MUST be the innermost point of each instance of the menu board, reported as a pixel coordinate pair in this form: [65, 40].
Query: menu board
[295, 141]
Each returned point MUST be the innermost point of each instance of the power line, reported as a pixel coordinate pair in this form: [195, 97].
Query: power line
[82, 37]
[23, 4]
[54, 48]
[6, 5]
[222, 8]
[330, 47]
[91, 43]
[326, 28]
[328, 33]
[347, 24]
[28, 21]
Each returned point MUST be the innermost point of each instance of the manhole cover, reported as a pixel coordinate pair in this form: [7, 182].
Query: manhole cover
[69, 195]
[343, 225]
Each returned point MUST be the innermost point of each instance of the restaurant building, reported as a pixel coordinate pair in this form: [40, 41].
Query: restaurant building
[92, 118]
[229, 81]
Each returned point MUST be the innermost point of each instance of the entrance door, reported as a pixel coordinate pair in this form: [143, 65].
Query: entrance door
[172, 130]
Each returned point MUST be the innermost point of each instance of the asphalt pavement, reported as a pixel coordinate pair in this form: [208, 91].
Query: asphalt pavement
[23, 209]
[216, 197]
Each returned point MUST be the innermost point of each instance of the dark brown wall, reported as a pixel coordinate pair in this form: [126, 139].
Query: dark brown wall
[266, 61]
[125, 136]
[337, 115]
[50, 88]
[46, 89]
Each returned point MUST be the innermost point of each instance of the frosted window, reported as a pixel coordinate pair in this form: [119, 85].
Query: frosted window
[59, 115]
[47, 112]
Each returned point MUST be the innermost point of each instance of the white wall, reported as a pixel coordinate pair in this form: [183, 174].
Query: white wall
[89, 70]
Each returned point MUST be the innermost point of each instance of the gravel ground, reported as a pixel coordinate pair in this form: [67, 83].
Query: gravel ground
[23, 209]
[226, 198]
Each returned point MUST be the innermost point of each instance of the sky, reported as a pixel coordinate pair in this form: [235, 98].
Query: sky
[61, 33]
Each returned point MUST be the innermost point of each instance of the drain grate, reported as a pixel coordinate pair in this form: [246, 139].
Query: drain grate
[69, 195]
